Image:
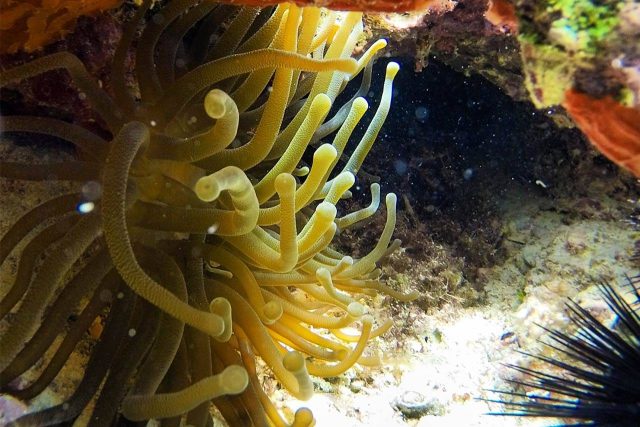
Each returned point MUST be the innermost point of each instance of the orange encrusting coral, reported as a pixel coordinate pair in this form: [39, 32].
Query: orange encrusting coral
[31, 24]
[613, 128]
[356, 5]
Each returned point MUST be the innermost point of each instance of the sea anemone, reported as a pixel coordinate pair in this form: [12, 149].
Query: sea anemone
[205, 240]
[596, 381]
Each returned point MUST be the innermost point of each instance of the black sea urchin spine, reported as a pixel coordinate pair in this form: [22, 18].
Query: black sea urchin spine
[598, 381]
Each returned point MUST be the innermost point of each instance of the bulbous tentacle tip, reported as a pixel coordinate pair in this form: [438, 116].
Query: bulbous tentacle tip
[392, 69]
[215, 103]
[355, 309]
[325, 150]
[207, 189]
[235, 379]
[272, 312]
[285, 184]
[303, 418]
[361, 104]
[326, 210]
[320, 105]
[221, 307]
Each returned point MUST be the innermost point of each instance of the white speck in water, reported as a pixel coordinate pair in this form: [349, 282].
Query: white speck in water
[86, 207]
[212, 229]
[541, 184]
[120, 295]
[153, 123]
[132, 332]
[468, 174]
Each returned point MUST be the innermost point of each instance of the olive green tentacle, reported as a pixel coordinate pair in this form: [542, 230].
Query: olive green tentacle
[125, 146]
[113, 334]
[85, 282]
[101, 299]
[87, 142]
[170, 41]
[44, 284]
[28, 258]
[28, 222]
[123, 95]
[139, 339]
[204, 76]
[166, 345]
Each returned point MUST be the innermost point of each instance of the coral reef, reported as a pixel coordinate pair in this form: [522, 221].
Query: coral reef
[199, 232]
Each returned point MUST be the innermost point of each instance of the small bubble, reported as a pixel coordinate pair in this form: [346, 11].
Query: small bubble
[92, 190]
[106, 295]
[400, 166]
[82, 96]
[212, 229]
[65, 406]
[371, 94]
[468, 174]
[158, 18]
[422, 114]
[153, 123]
[86, 207]
[120, 295]
[132, 332]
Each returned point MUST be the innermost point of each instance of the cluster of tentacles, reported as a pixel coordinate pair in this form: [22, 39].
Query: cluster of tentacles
[205, 239]
[597, 382]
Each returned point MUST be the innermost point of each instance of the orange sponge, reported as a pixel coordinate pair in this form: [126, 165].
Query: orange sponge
[28, 25]
[613, 128]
